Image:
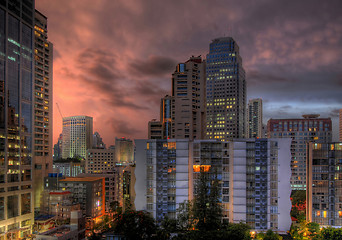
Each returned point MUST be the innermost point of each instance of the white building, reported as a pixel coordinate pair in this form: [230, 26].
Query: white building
[252, 187]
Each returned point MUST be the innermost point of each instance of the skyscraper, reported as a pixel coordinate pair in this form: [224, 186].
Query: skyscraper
[226, 91]
[309, 128]
[254, 118]
[42, 106]
[16, 119]
[77, 136]
[188, 92]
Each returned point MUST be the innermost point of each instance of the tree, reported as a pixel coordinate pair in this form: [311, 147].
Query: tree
[331, 233]
[206, 209]
[269, 235]
[135, 225]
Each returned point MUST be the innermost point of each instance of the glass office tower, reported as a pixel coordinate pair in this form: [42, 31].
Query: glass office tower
[226, 91]
[16, 74]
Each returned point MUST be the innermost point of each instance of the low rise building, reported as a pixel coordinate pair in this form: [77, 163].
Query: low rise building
[100, 160]
[74, 231]
[89, 192]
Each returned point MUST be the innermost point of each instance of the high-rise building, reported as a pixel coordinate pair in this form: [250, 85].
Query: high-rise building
[226, 91]
[324, 184]
[77, 136]
[309, 128]
[42, 106]
[124, 150]
[254, 178]
[254, 119]
[162, 176]
[57, 148]
[182, 115]
[188, 100]
[340, 123]
[98, 142]
[16, 118]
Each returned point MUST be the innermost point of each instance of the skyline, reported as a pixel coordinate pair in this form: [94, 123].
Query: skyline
[291, 56]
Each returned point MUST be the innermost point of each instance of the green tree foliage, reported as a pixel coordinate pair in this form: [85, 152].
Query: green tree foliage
[331, 233]
[135, 225]
[305, 230]
[206, 209]
[269, 235]
[298, 197]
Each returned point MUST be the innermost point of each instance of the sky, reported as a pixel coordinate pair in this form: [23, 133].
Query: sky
[113, 59]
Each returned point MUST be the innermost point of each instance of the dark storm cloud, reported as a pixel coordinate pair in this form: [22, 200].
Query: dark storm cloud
[291, 51]
[256, 77]
[123, 128]
[153, 66]
[99, 71]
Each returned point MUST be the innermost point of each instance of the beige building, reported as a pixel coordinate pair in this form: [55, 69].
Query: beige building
[77, 136]
[124, 151]
[59, 204]
[182, 115]
[254, 119]
[88, 192]
[100, 160]
[188, 105]
[43, 55]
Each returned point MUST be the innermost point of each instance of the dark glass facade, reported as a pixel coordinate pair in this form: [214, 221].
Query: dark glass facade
[16, 74]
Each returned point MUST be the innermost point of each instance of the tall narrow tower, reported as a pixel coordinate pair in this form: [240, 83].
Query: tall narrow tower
[188, 92]
[254, 118]
[16, 118]
[226, 91]
[42, 106]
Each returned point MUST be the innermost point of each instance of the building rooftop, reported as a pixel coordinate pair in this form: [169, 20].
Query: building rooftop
[57, 232]
[81, 179]
[60, 193]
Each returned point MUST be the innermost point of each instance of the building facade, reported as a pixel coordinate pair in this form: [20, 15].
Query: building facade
[88, 192]
[16, 118]
[77, 136]
[100, 160]
[161, 176]
[253, 177]
[69, 168]
[187, 104]
[42, 105]
[226, 91]
[254, 119]
[309, 128]
[324, 181]
[124, 151]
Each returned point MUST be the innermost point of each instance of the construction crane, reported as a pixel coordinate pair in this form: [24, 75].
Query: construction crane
[59, 110]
